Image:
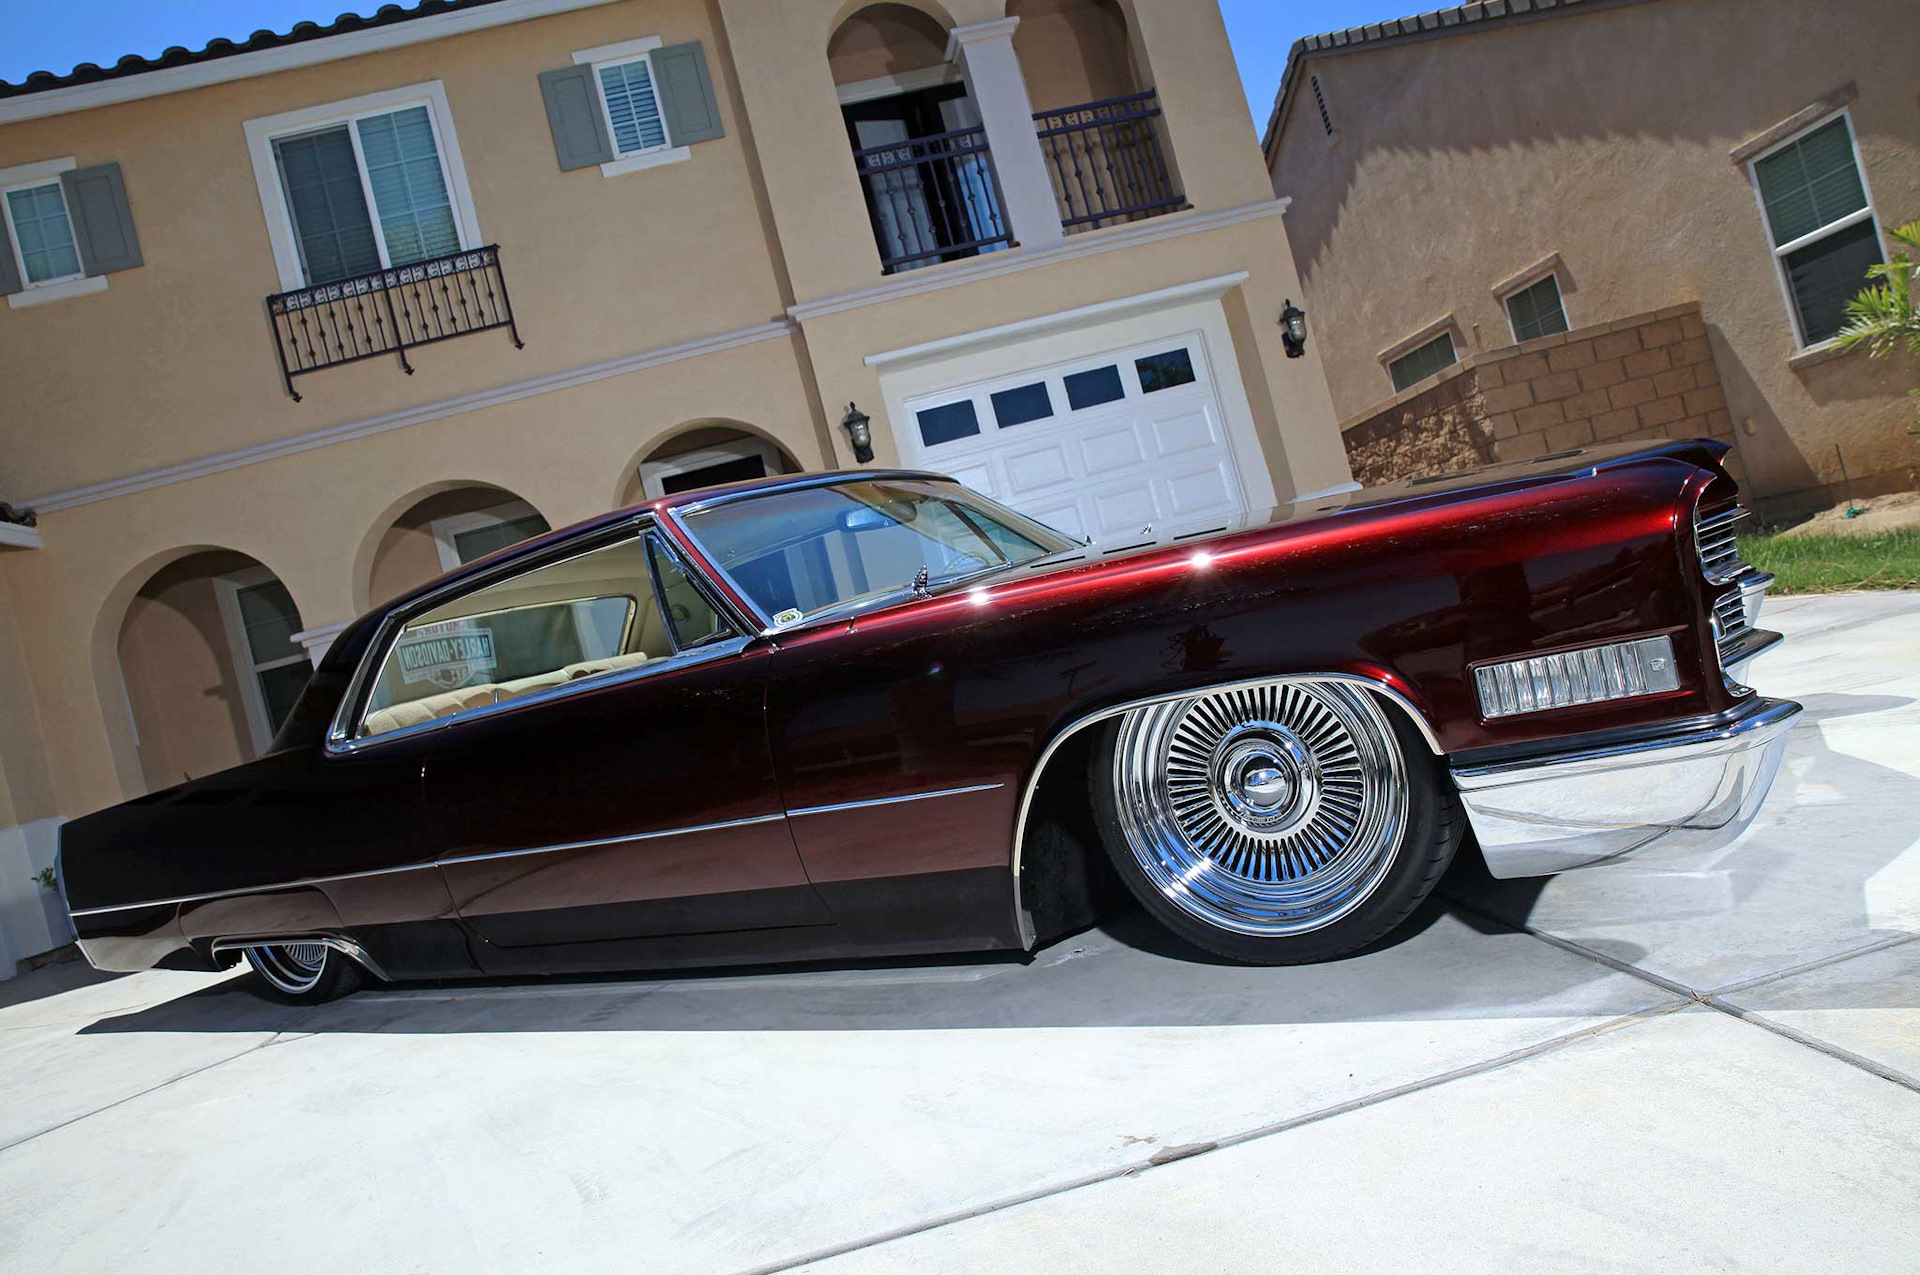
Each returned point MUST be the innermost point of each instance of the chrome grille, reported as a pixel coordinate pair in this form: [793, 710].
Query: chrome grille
[1713, 537]
[1730, 621]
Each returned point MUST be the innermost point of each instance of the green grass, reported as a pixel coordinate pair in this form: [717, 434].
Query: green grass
[1829, 564]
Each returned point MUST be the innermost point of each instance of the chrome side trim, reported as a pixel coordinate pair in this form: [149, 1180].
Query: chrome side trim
[346, 947]
[608, 841]
[251, 889]
[1021, 916]
[890, 801]
[1686, 789]
[434, 863]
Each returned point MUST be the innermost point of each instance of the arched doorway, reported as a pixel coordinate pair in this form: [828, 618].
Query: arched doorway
[1073, 52]
[917, 140]
[451, 525]
[704, 456]
[208, 664]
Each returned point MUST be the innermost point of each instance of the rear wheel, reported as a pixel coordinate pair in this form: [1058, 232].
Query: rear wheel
[1274, 824]
[303, 973]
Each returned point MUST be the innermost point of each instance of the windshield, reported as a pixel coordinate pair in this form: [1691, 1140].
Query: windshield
[802, 552]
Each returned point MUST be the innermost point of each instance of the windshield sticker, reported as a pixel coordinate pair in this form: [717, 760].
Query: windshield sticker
[790, 616]
[448, 655]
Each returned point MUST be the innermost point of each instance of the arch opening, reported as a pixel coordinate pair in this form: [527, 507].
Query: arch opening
[918, 144]
[207, 667]
[703, 454]
[435, 531]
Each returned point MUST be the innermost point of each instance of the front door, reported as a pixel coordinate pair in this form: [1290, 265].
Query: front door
[599, 769]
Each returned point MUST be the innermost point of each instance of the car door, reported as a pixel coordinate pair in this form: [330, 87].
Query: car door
[603, 773]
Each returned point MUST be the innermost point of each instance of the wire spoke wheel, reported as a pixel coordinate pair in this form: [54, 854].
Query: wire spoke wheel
[293, 968]
[1269, 810]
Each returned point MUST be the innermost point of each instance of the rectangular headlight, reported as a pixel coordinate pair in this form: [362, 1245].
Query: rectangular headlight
[1590, 675]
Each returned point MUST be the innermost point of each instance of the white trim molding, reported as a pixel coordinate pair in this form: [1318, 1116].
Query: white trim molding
[1549, 264]
[319, 639]
[882, 86]
[13, 535]
[244, 66]
[1408, 344]
[995, 264]
[261, 133]
[1100, 312]
[219, 462]
[40, 173]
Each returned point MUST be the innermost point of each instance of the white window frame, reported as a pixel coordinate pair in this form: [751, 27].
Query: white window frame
[1444, 326]
[246, 671]
[654, 473]
[446, 530]
[606, 55]
[1781, 253]
[264, 131]
[1512, 285]
[26, 177]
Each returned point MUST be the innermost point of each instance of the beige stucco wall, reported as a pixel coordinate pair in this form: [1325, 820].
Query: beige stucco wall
[175, 359]
[1604, 136]
[1073, 51]
[174, 362]
[181, 682]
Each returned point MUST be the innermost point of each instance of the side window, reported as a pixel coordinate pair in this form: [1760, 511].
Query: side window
[581, 617]
[691, 617]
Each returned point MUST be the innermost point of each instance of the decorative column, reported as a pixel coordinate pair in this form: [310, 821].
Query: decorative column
[319, 638]
[984, 51]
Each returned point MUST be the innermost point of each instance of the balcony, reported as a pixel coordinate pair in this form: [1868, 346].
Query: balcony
[1106, 162]
[390, 312]
[932, 199]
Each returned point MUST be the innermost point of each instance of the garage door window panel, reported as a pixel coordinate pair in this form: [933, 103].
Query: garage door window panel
[1021, 404]
[948, 423]
[1165, 371]
[1094, 387]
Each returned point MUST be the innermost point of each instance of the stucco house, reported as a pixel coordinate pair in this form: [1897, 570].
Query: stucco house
[1525, 225]
[294, 323]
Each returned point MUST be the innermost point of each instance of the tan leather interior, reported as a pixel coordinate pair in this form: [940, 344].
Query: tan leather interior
[467, 698]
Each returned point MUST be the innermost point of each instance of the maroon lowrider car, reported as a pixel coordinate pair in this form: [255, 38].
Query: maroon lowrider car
[871, 713]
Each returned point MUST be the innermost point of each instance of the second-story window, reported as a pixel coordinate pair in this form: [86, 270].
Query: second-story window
[632, 106]
[37, 217]
[360, 186]
[366, 194]
[1821, 220]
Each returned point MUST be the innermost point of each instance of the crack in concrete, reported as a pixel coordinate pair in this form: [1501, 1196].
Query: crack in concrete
[1196, 1150]
[278, 1038]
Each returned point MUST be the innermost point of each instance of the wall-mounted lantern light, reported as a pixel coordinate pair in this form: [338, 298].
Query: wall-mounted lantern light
[1293, 329]
[859, 427]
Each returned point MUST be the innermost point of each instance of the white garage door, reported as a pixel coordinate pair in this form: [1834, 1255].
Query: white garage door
[1100, 447]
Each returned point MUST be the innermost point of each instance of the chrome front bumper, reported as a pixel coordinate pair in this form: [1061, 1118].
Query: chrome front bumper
[1693, 789]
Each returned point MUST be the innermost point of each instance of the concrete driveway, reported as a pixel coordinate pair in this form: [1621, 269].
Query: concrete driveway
[1711, 1063]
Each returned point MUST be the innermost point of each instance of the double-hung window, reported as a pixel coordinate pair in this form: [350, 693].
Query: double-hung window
[1536, 310]
[1820, 219]
[1422, 361]
[362, 186]
[42, 234]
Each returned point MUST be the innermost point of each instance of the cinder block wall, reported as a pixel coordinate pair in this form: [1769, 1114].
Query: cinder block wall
[1649, 376]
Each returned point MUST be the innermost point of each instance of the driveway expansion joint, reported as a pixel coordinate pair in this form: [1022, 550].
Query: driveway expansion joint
[1175, 1155]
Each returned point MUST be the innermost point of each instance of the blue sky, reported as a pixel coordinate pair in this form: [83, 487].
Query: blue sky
[55, 37]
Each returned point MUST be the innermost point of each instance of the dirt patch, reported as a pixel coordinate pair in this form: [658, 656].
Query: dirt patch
[1875, 517]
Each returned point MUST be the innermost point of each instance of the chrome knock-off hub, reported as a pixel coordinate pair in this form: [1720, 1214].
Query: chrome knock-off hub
[1265, 778]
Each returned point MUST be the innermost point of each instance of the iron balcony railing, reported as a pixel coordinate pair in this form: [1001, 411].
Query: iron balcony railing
[390, 312]
[932, 199]
[1106, 161]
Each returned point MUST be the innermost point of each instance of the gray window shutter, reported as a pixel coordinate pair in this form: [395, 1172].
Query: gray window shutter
[102, 221]
[9, 270]
[573, 113]
[686, 94]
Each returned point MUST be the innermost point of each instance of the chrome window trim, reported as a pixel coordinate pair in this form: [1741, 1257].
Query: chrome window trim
[800, 482]
[342, 742]
[1020, 915]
